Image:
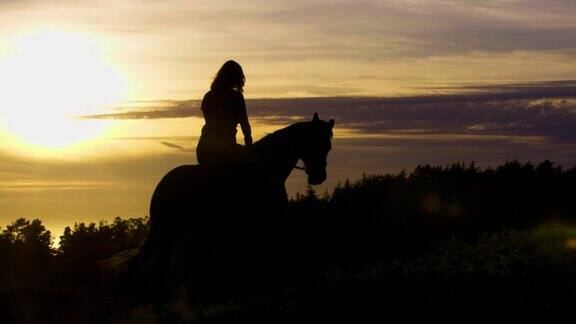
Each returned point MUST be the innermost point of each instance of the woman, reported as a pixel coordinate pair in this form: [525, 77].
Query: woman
[224, 108]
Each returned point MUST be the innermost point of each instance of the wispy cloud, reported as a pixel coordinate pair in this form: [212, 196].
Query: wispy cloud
[175, 146]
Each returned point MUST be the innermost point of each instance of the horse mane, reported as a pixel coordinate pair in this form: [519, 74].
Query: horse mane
[280, 134]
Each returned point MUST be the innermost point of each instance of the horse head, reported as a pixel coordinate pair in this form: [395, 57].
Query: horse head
[315, 148]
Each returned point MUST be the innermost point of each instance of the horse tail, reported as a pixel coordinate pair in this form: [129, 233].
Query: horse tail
[146, 273]
[153, 270]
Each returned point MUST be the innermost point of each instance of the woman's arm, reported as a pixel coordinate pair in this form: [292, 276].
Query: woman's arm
[204, 106]
[244, 124]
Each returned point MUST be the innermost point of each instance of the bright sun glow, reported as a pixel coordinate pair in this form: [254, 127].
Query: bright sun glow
[48, 79]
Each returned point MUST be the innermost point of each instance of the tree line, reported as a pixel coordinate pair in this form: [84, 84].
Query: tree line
[356, 219]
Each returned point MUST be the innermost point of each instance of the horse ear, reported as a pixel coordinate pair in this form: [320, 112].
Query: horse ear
[331, 123]
[315, 118]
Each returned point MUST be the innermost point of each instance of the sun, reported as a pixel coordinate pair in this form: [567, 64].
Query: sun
[49, 79]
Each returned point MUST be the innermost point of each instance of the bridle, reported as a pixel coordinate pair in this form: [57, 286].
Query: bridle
[297, 167]
[300, 168]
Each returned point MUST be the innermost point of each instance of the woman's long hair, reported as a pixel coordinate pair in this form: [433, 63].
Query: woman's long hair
[230, 76]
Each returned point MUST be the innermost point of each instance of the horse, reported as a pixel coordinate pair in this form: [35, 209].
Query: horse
[197, 210]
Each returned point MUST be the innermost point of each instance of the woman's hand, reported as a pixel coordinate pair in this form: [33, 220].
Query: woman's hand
[248, 140]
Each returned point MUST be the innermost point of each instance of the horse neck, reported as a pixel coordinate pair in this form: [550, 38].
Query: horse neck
[279, 151]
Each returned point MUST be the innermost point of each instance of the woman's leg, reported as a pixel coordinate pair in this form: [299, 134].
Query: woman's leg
[201, 150]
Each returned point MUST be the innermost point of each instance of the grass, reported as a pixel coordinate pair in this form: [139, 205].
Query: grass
[509, 275]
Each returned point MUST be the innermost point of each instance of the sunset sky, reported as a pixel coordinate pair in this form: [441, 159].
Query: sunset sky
[99, 99]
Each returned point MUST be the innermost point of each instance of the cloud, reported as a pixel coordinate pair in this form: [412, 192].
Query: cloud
[155, 110]
[545, 109]
[175, 146]
[324, 47]
[368, 29]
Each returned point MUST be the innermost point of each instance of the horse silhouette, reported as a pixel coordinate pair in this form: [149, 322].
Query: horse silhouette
[197, 210]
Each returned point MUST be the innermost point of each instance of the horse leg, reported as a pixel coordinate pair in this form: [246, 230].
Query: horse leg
[192, 274]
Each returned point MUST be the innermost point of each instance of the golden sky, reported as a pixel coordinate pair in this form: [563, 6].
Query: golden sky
[63, 60]
[171, 49]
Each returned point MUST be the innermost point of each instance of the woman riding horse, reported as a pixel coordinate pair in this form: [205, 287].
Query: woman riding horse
[224, 108]
[196, 213]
